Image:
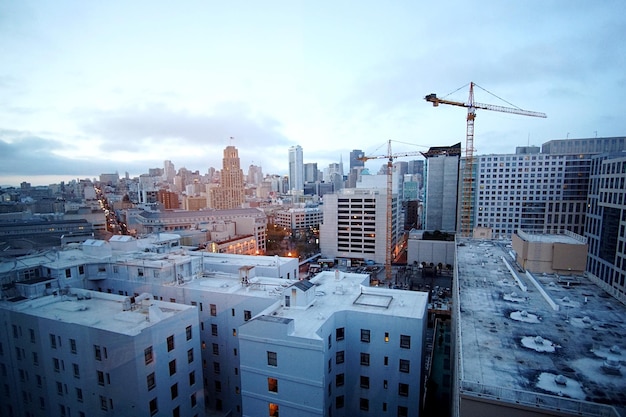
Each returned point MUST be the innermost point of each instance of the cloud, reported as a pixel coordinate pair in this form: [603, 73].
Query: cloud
[156, 124]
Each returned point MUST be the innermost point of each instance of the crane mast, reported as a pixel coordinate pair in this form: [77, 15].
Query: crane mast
[389, 203]
[467, 184]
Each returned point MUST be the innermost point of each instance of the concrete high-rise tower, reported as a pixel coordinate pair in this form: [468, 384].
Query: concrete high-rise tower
[231, 193]
[296, 169]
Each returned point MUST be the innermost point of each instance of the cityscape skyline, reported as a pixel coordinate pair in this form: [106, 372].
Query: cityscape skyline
[124, 87]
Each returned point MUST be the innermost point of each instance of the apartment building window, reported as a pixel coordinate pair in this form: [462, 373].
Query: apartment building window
[340, 333]
[365, 335]
[154, 408]
[57, 364]
[273, 410]
[405, 365]
[79, 395]
[386, 337]
[403, 389]
[76, 370]
[405, 341]
[272, 359]
[150, 381]
[73, 345]
[193, 400]
[340, 380]
[213, 310]
[218, 386]
[365, 359]
[97, 352]
[403, 411]
[147, 354]
[340, 357]
[216, 368]
[365, 381]
[364, 404]
[216, 349]
[59, 388]
[188, 332]
[339, 401]
[53, 341]
[170, 343]
[68, 273]
[176, 411]
[214, 329]
[32, 335]
[192, 378]
[103, 403]
[234, 332]
[247, 315]
[174, 391]
[35, 358]
[330, 343]
[100, 377]
[190, 355]
[272, 384]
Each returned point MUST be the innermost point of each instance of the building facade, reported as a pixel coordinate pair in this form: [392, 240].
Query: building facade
[296, 169]
[231, 192]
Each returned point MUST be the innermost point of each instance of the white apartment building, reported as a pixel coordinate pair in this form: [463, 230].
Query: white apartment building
[299, 218]
[355, 225]
[74, 352]
[335, 347]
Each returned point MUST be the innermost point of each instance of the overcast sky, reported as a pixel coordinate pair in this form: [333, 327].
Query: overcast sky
[100, 87]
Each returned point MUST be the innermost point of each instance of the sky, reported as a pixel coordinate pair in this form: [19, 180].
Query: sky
[104, 87]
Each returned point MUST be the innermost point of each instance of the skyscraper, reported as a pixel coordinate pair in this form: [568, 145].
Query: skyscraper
[442, 177]
[296, 169]
[231, 193]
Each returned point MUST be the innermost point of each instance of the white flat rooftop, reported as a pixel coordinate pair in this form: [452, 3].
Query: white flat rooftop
[98, 310]
[351, 292]
[516, 346]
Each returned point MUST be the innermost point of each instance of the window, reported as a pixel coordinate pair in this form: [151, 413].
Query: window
[340, 380]
[213, 310]
[170, 343]
[172, 367]
[272, 359]
[193, 399]
[214, 329]
[247, 315]
[32, 335]
[234, 332]
[216, 349]
[151, 382]
[176, 411]
[35, 358]
[216, 368]
[365, 359]
[386, 360]
[273, 410]
[100, 378]
[405, 365]
[192, 377]
[339, 401]
[365, 335]
[403, 389]
[272, 384]
[364, 404]
[174, 391]
[68, 273]
[79, 395]
[103, 403]
[386, 337]
[405, 341]
[76, 370]
[53, 341]
[97, 352]
[340, 333]
[73, 345]
[365, 381]
[403, 411]
[188, 332]
[339, 357]
[147, 354]
[154, 408]
[81, 269]
[59, 388]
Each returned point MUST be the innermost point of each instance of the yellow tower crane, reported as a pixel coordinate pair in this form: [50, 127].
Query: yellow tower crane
[468, 178]
[389, 225]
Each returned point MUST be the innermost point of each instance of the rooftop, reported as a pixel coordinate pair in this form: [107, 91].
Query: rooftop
[550, 340]
[109, 312]
[339, 291]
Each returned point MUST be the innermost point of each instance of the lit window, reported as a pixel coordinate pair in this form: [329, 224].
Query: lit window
[213, 310]
[386, 337]
[272, 384]
[273, 410]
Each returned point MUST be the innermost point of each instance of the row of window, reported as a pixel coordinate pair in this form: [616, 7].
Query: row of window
[340, 334]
